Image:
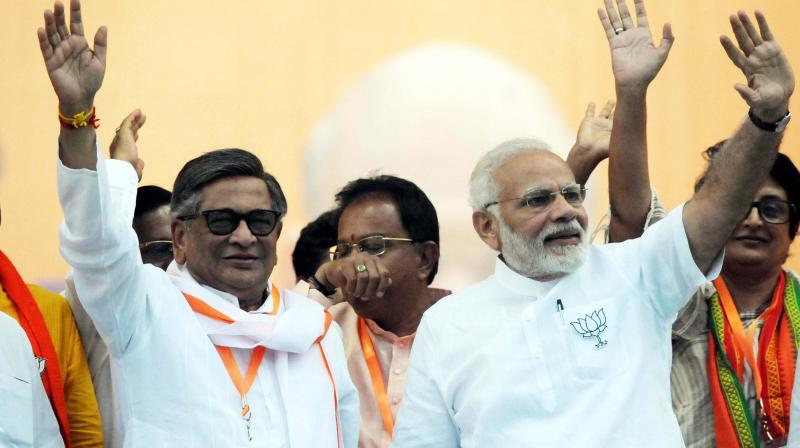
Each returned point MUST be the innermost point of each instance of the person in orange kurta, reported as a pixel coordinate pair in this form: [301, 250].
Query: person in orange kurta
[48, 322]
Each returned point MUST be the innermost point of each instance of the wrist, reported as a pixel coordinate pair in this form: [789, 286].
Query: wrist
[631, 91]
[321, 286]
[71, 108]
[770, 115]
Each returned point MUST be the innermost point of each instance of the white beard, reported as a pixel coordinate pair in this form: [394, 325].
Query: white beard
[527, 255]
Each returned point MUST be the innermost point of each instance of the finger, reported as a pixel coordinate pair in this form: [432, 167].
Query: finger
[609, 29]
[75, 21]
[590, 110]
[50, 27]
[766, 34]
[101, 44]
[138, 165]
[362, 279]
[641, 13]
[667, 38]
[607, 109]
[349, 273]
[385, 280]
[373, 280]
[61, 21]
[44, 44]
[612, 15]
[737, 57]
[747, 94]
[745, 44]
[627, 21]
[751, 30]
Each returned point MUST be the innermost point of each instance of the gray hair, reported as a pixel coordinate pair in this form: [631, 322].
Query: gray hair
[483, 188]
[187, 193]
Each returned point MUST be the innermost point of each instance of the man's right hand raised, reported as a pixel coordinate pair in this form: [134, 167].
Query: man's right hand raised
[75, 70]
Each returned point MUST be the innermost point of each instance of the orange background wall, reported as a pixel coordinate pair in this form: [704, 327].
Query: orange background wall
[258, 74]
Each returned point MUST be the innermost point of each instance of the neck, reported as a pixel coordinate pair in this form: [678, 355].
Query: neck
[750, 288]
[251, 302]
[404, 320]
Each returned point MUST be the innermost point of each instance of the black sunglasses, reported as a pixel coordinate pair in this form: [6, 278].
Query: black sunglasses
[156, 251]
[224, 221]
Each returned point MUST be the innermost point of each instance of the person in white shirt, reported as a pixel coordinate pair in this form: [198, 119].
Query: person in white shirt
[209, 353]
[568, 344]
[26, 417]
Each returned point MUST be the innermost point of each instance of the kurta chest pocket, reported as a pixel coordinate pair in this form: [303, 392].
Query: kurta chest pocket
[592, 332]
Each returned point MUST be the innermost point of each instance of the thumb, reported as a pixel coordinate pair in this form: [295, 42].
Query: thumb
[667, 38]
[101, 44]
[747, 94]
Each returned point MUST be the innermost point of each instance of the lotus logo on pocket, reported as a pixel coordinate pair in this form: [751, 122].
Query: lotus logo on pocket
[591, 326]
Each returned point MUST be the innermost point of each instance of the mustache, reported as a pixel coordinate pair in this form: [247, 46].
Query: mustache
[562, 228]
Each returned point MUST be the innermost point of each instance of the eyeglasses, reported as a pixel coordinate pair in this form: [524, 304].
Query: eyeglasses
[539, 199]
[224, 221]
[154, 252]
[373, 245]
[773, 210]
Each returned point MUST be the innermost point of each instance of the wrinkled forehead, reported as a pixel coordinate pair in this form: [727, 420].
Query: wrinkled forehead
[530, 171]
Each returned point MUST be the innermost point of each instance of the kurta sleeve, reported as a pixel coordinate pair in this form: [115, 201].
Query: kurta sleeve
[98, 242]
[660, 263]
[424, 418]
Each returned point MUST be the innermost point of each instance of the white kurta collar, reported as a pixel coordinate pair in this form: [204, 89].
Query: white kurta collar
[519, 283]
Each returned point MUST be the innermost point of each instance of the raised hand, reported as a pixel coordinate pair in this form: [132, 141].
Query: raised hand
[592, 143]
[635, 61]
[770, 81]
[76, 71]
[123, 147]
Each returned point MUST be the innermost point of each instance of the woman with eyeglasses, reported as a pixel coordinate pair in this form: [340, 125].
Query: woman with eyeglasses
[735, 343]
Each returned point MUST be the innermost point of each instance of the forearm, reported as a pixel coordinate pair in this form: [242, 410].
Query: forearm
[628, 176]
[581, 164]
[76, 146]
[97, 240]
[731, 182]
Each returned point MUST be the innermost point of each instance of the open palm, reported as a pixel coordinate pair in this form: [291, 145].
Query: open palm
[770, 80]
[635, 60]
[75, 70]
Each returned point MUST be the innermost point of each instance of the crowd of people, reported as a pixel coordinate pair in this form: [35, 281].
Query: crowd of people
[682, 329]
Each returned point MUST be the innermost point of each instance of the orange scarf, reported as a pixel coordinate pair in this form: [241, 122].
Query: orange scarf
[730, 347]
[31, 320]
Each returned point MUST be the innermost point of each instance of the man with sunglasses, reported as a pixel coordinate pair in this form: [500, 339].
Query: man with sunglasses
[210, 353]
[385, 258]
[569, 344]
[151, 222]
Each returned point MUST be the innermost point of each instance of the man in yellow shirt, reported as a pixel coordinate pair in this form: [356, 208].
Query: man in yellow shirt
[50, 327]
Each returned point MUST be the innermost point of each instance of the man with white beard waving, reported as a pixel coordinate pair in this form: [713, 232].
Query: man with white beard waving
[569, 344]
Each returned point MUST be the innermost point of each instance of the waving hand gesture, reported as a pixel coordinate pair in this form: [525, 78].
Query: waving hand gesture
[634, 59]
[770, 81]
[76, 71]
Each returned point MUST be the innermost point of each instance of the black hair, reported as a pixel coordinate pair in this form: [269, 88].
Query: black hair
[213, 166]
[417, 214]
[149, 198]
[313, 246]
[783, 172]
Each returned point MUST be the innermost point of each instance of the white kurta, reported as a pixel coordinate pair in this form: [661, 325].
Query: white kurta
[500, 364]
[26, 417]
[170, 386]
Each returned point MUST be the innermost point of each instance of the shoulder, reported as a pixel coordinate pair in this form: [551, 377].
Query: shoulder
[50, 304]
[463, 303]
